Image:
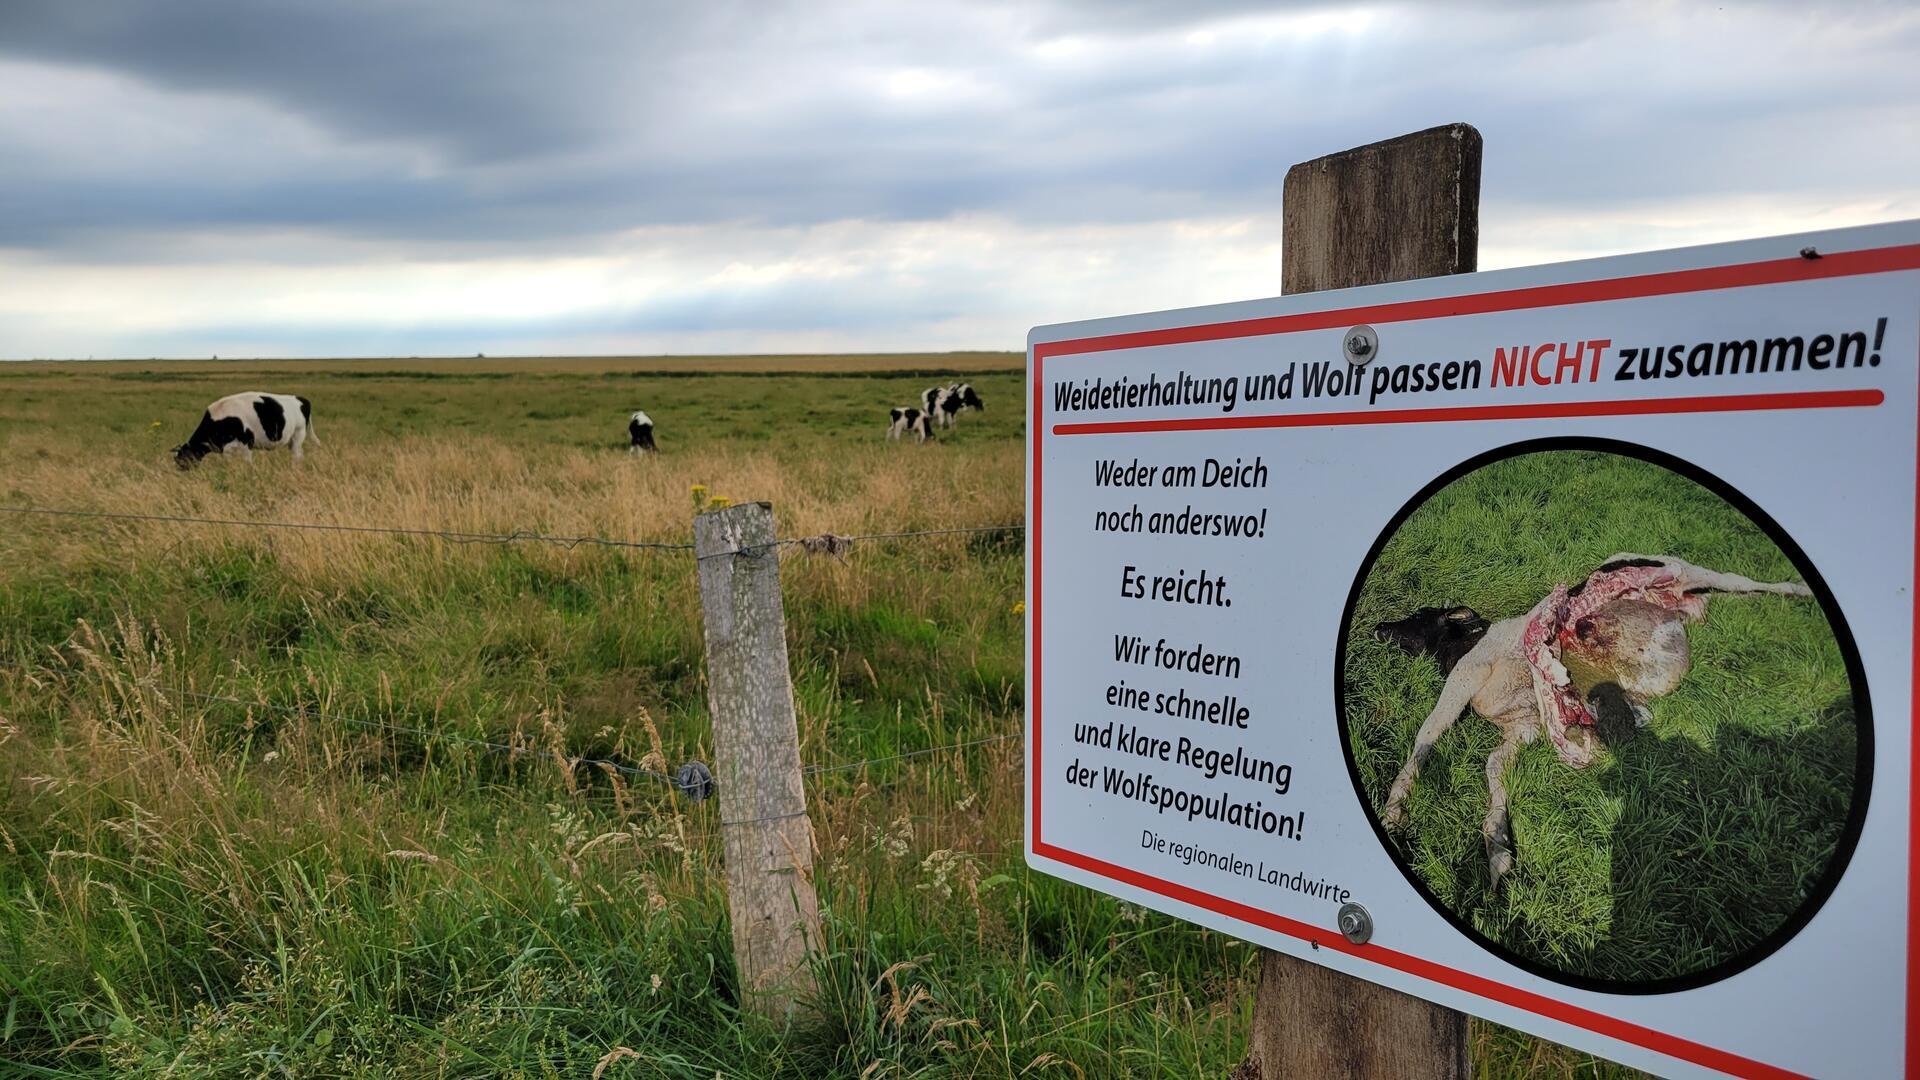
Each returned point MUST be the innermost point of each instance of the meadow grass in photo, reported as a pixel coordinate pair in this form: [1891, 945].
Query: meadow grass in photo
[1683, 847]
[193, 888]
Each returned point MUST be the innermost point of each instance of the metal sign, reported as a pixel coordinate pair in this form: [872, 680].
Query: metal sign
[1538, 642]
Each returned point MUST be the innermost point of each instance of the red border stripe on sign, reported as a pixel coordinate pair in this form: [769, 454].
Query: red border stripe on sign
[1816, 399]
[1770, 272]
[1481, 986]
[1913, 815]
[1745, 275]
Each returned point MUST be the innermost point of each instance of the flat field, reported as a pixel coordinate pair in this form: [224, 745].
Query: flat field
[338, 880]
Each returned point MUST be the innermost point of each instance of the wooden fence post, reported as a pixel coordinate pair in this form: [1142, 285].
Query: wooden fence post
[756, 744]
[1390, 211]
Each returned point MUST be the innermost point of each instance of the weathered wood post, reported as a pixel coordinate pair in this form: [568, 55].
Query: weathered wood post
[1390, 211]
[756, 744]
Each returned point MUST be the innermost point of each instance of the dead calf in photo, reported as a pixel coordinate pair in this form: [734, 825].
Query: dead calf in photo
[1618, 637]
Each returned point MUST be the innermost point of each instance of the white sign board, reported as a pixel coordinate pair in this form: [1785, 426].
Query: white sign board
[1571, 635]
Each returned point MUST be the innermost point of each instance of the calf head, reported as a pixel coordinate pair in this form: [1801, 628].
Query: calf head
[970, 399]
[187, 455]
[1446, 634]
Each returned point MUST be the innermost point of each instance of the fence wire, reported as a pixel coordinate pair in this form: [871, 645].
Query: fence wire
[836, 544]
[823, 543]
[816, 770]
[452, 536]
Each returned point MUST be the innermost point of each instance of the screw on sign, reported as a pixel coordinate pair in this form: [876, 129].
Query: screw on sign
[1356, 924]
[1362, 344]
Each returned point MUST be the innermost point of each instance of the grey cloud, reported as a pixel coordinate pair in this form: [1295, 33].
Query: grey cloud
[481, 80]
[555, 126]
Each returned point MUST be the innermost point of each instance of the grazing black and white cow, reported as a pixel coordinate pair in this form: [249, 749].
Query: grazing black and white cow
[946, 403]
[968, 399]
[931, 400]
[911, 419]
[640, 430]
[242, 423]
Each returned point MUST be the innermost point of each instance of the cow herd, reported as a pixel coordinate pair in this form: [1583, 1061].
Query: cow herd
[254, 420]
[940, 405]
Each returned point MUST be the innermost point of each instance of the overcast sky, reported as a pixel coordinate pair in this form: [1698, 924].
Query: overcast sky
[342, 177]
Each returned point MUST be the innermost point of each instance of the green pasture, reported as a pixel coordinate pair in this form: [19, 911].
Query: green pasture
[192, 888]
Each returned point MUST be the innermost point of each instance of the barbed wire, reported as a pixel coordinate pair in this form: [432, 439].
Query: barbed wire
[452, 536]
[766, 817]
[824, 543]
[836, 544]
[816, 770]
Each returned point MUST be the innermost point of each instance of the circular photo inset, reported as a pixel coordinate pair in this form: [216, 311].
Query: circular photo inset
[1605, 715]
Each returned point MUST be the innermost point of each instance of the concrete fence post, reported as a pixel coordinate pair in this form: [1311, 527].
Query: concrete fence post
[768, 835]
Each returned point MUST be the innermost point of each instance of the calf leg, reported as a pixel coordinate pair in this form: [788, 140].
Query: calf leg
[1497, 831]
[1699, 577]
[1465, 682]
[297, 446]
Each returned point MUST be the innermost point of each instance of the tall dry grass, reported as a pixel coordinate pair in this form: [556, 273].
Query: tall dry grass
[352, 888]
[477, 485]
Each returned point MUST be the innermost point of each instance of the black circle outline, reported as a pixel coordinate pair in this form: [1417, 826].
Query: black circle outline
[1849, 838]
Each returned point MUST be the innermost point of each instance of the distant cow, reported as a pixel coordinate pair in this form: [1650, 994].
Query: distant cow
[640, 430]
[945, 403]
[911, 419]
[242, 423]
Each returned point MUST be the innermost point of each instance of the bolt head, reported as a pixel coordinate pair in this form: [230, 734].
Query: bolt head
[1360, 345]
[1355, 924]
